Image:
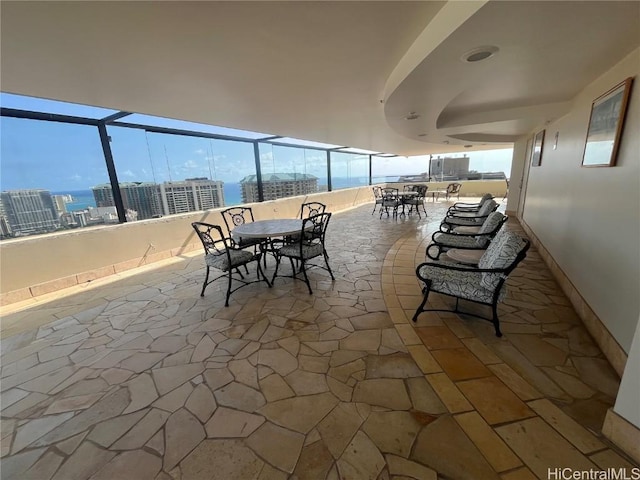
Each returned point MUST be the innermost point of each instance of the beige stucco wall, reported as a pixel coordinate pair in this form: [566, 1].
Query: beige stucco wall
[589, 218]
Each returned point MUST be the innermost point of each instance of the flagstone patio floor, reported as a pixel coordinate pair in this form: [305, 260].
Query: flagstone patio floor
[138, 377]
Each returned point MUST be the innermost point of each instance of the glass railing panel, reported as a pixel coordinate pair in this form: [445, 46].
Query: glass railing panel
[166, 174]
[291, 171]
[47, 171]
[349, 170]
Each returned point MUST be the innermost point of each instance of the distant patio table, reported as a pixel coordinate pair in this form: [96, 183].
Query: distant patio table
[436, 193]
[277, 227]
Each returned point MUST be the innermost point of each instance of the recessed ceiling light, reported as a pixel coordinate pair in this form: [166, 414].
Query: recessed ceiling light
[480, 53]
[412, 116]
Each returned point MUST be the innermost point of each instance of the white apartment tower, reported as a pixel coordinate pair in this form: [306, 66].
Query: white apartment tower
[191, 194]
[278, 185]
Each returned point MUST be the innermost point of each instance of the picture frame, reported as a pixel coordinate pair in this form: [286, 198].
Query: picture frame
[606, 123]
[536, 149]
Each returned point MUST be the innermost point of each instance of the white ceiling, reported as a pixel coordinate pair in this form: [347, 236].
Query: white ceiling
[345, 73]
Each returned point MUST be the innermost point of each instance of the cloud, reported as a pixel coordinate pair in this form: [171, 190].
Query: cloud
[76, 177]
[128, 173]
[200, 151]
[190, 164]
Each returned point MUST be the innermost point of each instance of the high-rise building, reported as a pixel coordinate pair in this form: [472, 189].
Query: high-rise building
[29, 211]
[191, 194]
[143, 197]
[278, 185]
[60, 203]
[449, 167]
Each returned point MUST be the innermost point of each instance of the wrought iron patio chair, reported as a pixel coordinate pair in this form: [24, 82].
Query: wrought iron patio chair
[484, 284]
[219, 253]
[451, 190]
[390, 200]
[377, 195]
[235, 216]
[309, 245]
[417, 201]
[442, 242]
[310, 209]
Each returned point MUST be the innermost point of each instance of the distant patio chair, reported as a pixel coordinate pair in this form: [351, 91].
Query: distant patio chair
[377, 195]
[451, 190]
[390, 200]
[417, 201]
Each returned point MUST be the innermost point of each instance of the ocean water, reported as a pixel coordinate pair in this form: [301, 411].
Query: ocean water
[81, 199]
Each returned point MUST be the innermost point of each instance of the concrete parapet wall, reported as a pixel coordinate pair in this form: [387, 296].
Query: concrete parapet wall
[42, 264]
[45, 263]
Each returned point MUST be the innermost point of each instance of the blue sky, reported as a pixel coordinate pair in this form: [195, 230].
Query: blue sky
[60, 157]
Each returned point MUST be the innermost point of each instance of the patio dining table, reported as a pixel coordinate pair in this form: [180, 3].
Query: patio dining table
[276, 227]
[268, 230]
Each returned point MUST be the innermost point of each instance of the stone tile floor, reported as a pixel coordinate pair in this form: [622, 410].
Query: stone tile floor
[141, 378]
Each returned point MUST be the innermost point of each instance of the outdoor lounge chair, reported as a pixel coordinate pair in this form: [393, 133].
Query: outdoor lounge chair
[470, 207]
[441, 242]
[484, 284]
[457, 219]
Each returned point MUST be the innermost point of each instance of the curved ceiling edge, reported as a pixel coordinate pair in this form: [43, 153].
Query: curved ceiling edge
[447, 20]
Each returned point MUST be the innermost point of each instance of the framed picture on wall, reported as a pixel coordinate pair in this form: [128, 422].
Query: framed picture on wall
[536, 150]
[605, 126]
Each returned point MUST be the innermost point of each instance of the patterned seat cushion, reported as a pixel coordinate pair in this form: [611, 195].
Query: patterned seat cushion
[453, 240]
[500, 254]
[308, 250]
[243, 242]
[489, 225]
[459, 283]
[470, 222]
[221, 261]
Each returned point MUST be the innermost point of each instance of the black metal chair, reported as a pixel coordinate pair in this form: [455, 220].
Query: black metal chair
[417, 201]
[309, 244]
[310, 209]
[390, 200]
[442, 242]
[453, 189]
[307, 210]
[235, 216]
[220, 253]
[377, 195]
[484, 284]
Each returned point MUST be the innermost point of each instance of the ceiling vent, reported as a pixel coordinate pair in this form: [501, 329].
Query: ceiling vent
[480, 53]
[412, 116]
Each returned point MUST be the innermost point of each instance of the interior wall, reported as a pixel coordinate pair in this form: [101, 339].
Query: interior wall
[628, 400]
[588, 218]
